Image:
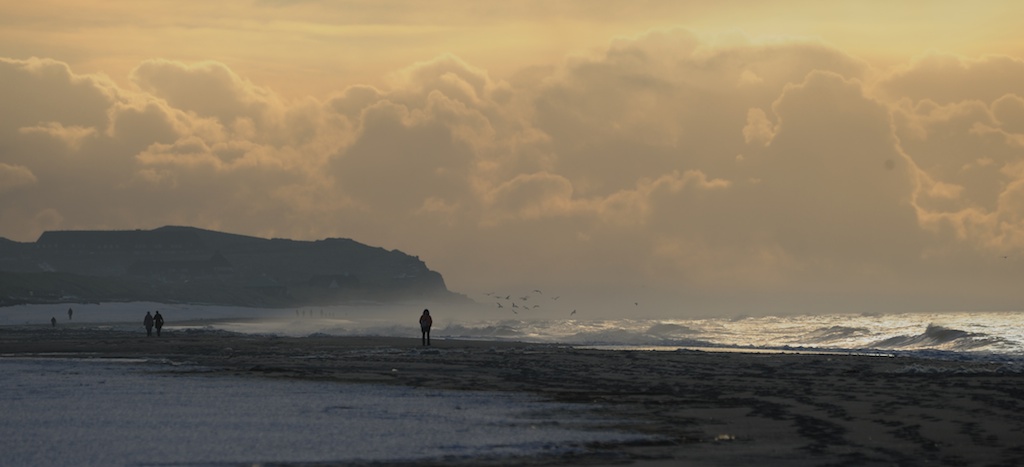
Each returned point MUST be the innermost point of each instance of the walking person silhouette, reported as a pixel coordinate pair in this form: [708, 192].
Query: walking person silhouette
[425, 322]
[158, 322]
[148, 323]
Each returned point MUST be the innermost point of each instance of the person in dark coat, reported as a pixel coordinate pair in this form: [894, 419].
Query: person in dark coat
[53, 321]
[158, 322]
[148, 323]
[425, 322]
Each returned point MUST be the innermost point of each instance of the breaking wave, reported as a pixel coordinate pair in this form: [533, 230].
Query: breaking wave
[941, 338]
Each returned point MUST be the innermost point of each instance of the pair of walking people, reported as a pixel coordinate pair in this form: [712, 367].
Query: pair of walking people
[151, 321]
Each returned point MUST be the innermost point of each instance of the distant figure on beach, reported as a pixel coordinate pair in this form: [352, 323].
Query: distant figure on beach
[425, 322]
[148, 323]
[69, 313]
[53, 321]
[158, 321]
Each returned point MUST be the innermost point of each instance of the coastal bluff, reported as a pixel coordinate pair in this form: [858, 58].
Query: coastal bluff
[175, 264]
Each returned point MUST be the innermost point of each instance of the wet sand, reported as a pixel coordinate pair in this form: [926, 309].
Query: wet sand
[706, 408]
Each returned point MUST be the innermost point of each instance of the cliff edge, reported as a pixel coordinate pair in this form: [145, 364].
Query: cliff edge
[185, 264]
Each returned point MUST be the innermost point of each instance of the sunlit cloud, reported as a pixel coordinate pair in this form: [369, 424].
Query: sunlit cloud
[71, 136]
[13, 177]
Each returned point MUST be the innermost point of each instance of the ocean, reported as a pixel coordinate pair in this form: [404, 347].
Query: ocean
[985, 335]
[948, 335]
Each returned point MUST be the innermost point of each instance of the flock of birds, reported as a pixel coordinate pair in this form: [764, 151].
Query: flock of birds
[524, 301]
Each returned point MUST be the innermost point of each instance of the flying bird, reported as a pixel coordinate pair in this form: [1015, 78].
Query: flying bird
[499, 305]
[555, 297]
[514, 305]
[573, 313]
[538, 291]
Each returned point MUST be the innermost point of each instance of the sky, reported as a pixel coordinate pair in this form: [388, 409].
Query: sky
[741, 157]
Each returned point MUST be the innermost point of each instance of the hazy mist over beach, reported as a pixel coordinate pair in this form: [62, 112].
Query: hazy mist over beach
[660, 159]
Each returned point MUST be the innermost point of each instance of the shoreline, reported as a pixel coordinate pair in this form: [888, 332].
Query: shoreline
[710, 408]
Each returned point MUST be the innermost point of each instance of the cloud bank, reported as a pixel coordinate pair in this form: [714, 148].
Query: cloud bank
[782, 176]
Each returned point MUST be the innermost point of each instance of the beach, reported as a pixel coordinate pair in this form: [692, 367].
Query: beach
[692, 407]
